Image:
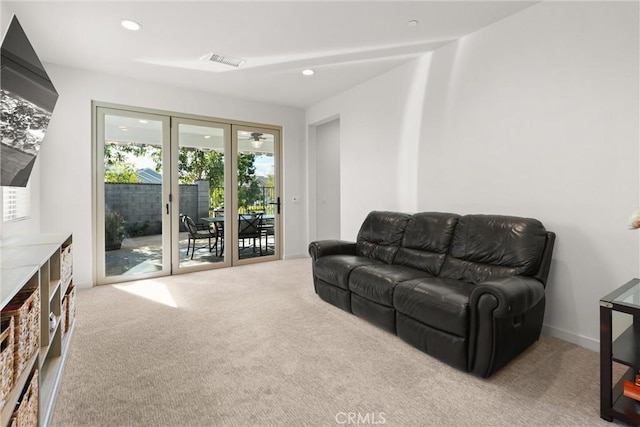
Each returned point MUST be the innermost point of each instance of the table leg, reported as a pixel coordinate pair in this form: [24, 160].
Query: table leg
[606, 369]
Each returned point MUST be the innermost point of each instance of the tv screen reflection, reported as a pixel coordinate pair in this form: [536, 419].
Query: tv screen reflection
[23, 125]
[27, 99]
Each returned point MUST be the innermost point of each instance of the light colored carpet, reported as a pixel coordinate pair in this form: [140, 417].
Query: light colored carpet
[255, 346]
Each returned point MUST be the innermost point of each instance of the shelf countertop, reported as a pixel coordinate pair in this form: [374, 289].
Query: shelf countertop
[21, 257]
[34, 239]
[12, 280]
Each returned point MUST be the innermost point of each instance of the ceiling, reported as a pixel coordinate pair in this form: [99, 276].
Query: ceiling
[345, 42]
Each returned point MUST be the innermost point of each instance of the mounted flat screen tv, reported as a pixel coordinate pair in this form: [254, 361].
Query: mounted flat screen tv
[27, 101]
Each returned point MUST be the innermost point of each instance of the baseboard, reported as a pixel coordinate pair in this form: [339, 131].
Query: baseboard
[295, 256]
[581, 340]
[84, 285]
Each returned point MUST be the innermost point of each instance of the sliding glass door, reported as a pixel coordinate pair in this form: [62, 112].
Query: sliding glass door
[133, 238]
[256, 201]
[178, 194]
[201, 187]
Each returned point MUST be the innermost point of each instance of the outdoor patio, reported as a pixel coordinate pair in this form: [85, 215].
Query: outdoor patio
[144, 254]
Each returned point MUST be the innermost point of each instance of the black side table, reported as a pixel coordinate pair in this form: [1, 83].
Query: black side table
[625, 349]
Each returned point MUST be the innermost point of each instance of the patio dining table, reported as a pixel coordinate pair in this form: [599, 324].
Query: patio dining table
[267, 224]
[268, 217]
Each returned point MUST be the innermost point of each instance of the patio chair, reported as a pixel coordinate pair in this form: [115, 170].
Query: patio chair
[219, 229]
[198, 232]
[249, 228]
[269, 232]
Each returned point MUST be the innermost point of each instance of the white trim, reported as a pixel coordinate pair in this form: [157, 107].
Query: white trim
[296, 256]
[581, 340]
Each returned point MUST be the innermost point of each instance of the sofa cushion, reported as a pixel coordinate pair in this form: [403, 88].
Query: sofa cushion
[439, 303]
[426, 241]
[376, 282]
[335, 269]
[341, 298]
[448, 348]
[380, 235]
[487, 247]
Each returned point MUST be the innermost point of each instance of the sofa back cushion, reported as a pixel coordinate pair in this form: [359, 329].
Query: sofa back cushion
[486, 247]
[380, 235]
[426, 241]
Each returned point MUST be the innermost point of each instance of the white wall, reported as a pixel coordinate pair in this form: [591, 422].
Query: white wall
[540, 118]
[536, 115]
[65, 158]
[380, 122]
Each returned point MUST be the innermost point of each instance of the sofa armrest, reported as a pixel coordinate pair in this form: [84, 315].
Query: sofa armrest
[515, 295]
[322, 248]
[506, 318]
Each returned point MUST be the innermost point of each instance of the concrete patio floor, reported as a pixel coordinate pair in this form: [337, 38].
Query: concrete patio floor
[144, 254]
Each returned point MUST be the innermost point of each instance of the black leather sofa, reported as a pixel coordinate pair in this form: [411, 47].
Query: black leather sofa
[468, 290]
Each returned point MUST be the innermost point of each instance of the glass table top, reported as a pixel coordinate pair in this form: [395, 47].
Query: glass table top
[627, 294]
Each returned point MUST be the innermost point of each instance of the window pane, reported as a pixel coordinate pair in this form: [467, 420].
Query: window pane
[16, 203]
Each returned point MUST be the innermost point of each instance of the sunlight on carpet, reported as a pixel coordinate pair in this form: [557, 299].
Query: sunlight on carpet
[151, 290]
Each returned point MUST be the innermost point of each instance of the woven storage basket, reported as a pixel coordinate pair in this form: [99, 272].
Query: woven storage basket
[24, 308]
[66, 263]
[64, 323]
[6, 359]
[27, 413]
[72, 306]
[70, 313]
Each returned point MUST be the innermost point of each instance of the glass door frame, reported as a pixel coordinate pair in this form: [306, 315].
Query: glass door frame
[97, 228]
[175, 192]
[235, 128]
[100, 113]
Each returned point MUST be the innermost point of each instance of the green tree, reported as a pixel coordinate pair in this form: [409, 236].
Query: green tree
[270, 182]
[117, 166]
[121, 172]
[248, 185]
[193, 164]
[118, 153]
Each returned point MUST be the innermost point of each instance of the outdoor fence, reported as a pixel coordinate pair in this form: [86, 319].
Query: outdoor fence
[141, 204]
[262, 204]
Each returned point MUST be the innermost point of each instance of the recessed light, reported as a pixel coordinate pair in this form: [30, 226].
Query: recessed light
[412, 23]
[207, 136]
[131, 25]
[308, 72]
[143, 121]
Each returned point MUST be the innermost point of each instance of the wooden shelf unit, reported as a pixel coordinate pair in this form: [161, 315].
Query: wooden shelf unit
[37, 260]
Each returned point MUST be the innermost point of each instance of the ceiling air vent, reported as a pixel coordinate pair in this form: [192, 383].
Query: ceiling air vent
[226, 60]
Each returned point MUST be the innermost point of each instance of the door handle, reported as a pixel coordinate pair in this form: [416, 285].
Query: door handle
[277, 203]
[167, 208]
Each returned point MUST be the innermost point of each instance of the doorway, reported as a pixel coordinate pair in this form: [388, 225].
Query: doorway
[327, 136]
[177, 194]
